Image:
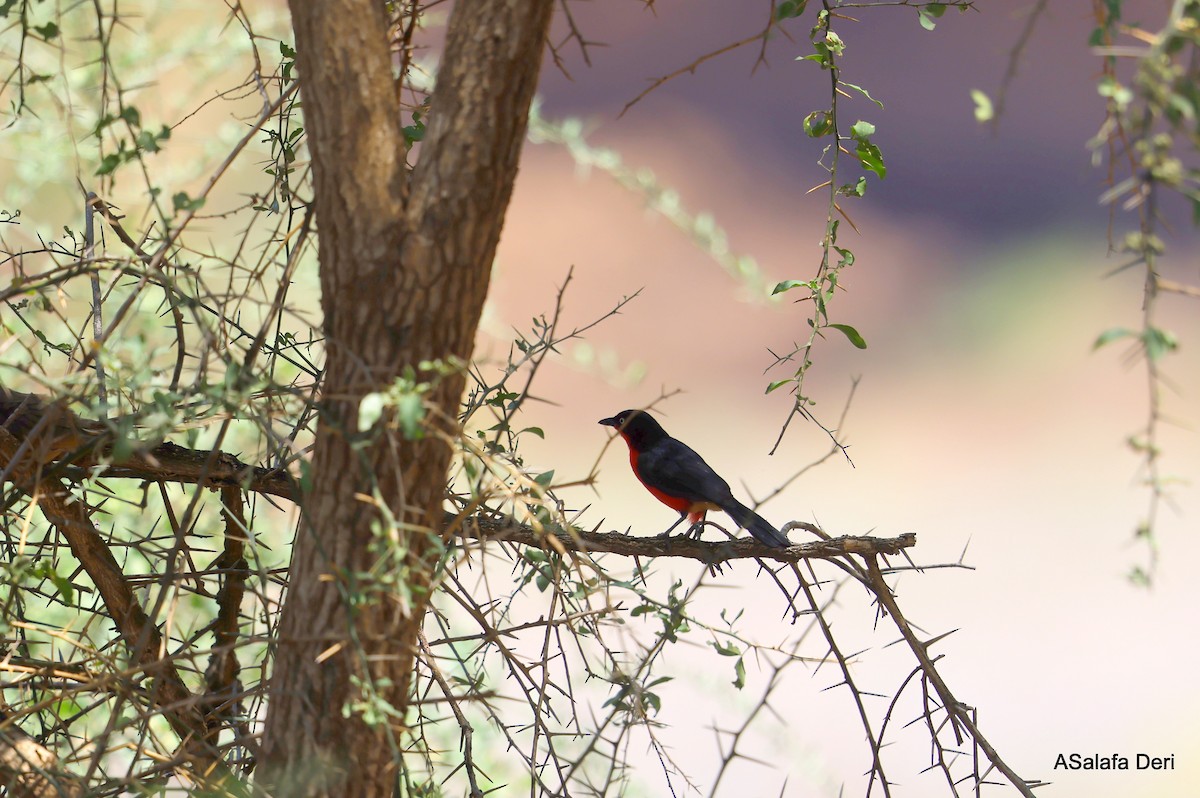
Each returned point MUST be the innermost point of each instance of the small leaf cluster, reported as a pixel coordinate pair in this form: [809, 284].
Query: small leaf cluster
[1152, 133]
[403, 401]
[671, 612]
[859, 143]
[143, 141]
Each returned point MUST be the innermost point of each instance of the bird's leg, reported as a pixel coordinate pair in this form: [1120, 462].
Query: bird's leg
[697, 527]
[667, 534]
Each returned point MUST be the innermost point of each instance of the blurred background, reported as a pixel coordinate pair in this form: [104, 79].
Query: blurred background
[982, 421]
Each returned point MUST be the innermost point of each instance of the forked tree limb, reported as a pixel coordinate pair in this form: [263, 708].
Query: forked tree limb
[960, 717]
[141, 636]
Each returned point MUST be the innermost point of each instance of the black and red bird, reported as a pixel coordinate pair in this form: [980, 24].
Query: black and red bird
[679, 478]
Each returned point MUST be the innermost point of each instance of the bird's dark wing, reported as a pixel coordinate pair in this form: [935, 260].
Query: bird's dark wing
[675, 469]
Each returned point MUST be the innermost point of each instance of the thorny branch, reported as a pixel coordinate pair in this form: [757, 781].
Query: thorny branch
[709, 553]
[143, 640]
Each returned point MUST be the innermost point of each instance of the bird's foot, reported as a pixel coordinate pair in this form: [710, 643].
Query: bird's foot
[691, 533]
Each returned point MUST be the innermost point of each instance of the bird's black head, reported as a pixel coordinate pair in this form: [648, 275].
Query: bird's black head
[637, 427]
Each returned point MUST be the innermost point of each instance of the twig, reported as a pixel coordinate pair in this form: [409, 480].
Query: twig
[957, 712]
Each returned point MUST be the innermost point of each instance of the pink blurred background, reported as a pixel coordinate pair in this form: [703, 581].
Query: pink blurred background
[983, 421]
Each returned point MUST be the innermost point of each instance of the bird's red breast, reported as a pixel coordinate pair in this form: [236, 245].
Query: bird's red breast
[679, 504]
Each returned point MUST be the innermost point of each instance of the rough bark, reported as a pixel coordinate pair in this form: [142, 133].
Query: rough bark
[30, 770]
[405, 261]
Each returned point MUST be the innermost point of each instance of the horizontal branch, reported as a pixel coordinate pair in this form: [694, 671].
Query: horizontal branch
[483, 529]
[49, 431]
[168, 462]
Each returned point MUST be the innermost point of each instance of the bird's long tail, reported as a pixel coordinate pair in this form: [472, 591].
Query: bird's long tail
[755, 524]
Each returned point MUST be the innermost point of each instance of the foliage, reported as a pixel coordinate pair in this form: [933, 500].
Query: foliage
[856, 141]
[1150, 135]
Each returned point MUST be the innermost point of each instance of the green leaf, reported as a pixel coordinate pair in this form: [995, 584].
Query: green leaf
[370, 408]
[984, 111]
[183, 202]
[856, 190]
[148, 141]
[534, 431]
[789, 9]
[726, 650]
[46, 570]
[64, 587]
[778, 384]
[818, 124]
[108, 164]
[1158, 342]
[862, 130]
[1110, 335]
[410, 412]
[545, 478]
[1111, 88]
[739, 674]
[48, 31]
[927, 14]
[870, 158]
[861, 91]
[846, 257]
[867, 153]
[834, 43]
[851, 334]
[788, 285]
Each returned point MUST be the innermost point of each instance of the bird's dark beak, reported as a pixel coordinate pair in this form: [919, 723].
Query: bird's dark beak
[610, 422]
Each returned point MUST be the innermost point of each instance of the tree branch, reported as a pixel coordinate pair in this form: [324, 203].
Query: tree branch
[143, 639]
[486, 529]
[956, 710]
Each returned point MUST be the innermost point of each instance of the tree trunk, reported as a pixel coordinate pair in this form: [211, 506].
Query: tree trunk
[405, 261]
